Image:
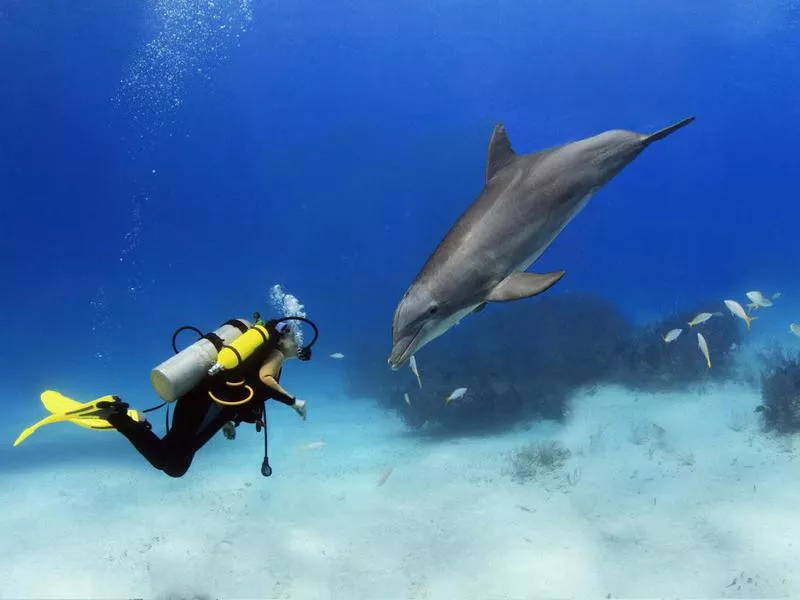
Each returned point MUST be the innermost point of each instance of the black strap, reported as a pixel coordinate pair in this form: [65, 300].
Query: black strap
[215, 340]
[236, 352]
[166, 416]
[152, 408]
[238, 324]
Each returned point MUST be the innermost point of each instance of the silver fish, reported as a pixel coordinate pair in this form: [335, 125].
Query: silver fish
[701, 318]
[701, 343]
[737, 310]
[757, 299]
[455, 395]
[412, 363]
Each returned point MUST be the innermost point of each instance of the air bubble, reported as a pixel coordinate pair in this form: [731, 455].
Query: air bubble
[188, 40]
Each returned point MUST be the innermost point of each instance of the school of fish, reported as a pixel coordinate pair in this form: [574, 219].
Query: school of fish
[757, 300]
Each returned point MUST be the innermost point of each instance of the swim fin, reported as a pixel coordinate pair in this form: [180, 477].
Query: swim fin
[91, 415]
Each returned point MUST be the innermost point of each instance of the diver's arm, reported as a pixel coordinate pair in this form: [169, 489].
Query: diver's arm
[280, 394]
[267, 373]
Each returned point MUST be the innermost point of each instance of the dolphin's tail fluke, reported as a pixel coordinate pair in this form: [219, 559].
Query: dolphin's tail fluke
[661, 134]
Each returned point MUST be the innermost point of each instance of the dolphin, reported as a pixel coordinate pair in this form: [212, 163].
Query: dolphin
[527, 200]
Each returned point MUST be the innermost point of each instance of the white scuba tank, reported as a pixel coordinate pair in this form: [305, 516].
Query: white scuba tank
[180, 373]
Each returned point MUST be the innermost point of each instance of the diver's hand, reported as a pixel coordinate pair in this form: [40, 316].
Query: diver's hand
[300, 407]
[229, 430]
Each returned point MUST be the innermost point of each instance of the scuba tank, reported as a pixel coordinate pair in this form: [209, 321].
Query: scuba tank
[234, 353]
[180, 373]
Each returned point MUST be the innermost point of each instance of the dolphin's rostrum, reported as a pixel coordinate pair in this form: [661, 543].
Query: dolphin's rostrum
[526, 201]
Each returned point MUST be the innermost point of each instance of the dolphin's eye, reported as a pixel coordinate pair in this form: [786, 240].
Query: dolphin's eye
[432, 310]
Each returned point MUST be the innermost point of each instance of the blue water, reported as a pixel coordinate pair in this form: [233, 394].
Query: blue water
[333, 147]
[328, 147]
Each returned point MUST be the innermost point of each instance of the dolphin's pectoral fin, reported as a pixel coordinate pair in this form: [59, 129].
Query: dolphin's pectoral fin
[523, 285]
[500, 152]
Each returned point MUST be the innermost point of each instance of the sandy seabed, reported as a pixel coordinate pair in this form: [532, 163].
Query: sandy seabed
[672, 495]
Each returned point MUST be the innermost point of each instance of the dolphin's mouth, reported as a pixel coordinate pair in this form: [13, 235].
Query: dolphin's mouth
[402, 350]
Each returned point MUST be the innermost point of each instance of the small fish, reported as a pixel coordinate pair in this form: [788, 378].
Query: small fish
[672, 335]
[737, 311]
[384, 476]
[455, 395]
[795, 329]
[699, 319]
[408, 400]
[776, 295]
[701, 343]
[337, 355]
[412, 363]
[758, 300]
[314, 446]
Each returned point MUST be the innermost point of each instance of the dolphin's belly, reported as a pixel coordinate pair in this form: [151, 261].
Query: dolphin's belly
[525, 231]
[506, 229]
[536, 245]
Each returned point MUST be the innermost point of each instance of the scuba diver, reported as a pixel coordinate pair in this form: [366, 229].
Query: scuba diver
[220, 381]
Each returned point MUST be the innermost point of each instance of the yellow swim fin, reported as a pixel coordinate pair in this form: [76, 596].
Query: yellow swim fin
[89, 415]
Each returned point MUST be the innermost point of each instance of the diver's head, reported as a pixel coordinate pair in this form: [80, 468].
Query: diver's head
[289, 337]
[287, 340]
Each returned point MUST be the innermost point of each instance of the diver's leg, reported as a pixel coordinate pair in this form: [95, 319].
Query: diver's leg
[210, 429]
[179, 445]
[197, 419]
[172, 453]
[140, 435]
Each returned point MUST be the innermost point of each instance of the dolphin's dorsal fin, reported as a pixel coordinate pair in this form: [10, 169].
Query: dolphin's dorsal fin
[500, 152]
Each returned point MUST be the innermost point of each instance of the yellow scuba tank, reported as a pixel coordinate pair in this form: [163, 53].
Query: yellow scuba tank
[239, 350]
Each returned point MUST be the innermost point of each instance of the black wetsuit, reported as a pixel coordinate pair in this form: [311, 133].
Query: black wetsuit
[196, 420]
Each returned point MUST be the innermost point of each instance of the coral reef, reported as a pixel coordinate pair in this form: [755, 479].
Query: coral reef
[522, 361]
[536, 459]
[519, 362]
[780, 393]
